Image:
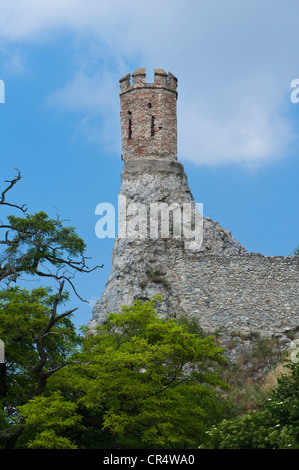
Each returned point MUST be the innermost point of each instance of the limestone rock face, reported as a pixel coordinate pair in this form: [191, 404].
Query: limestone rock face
[144, 267]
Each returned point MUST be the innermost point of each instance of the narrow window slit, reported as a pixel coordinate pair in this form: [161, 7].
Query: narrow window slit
[153, 126]
[130, 129]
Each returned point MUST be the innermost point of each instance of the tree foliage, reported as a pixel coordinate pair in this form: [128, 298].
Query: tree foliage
[296, 251]
[276, 426]
[39, 339]
[135, 385]
[35, 244]
[36, 337]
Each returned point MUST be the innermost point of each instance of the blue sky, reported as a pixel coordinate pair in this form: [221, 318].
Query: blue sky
[238, 131]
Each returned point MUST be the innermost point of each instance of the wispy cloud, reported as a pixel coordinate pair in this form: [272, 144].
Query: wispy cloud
[87, 93]
[234, 60]
[95, 100]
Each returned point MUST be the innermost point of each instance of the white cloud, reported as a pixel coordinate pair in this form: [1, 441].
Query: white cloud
[15, 64]
[234, 61]
[95, 99]
[246, 123]
[86, 93]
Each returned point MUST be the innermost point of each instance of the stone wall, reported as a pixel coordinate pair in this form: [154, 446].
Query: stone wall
[243, 293]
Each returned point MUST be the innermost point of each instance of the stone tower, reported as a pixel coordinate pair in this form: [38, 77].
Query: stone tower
[218, 281]
[148, 116]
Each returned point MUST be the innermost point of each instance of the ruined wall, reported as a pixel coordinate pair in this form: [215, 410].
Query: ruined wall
[220, 283]
[241, 293]
[247, 293]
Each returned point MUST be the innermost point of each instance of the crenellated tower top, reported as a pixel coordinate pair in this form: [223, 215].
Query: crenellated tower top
[149, 116]
[162, 79]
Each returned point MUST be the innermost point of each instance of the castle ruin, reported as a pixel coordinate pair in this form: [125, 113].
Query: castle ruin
[225, 287]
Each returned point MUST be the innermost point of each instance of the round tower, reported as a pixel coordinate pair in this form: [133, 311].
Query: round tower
[149, 116]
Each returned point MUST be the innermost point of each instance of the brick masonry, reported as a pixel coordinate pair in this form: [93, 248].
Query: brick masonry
[149, 116]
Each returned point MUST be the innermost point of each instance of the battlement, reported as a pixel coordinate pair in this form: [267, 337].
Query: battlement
[162, 80]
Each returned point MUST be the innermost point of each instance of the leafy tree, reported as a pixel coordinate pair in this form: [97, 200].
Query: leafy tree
[276, 426]
[133, 389]
[39, 339]
[38, 245]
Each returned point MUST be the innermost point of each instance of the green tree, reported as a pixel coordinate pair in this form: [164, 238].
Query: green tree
[276, 426]
[134, 387]
[38, 245]
[39, 339]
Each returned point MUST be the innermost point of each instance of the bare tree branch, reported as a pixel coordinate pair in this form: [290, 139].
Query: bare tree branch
[26, 245]
[12, 182]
